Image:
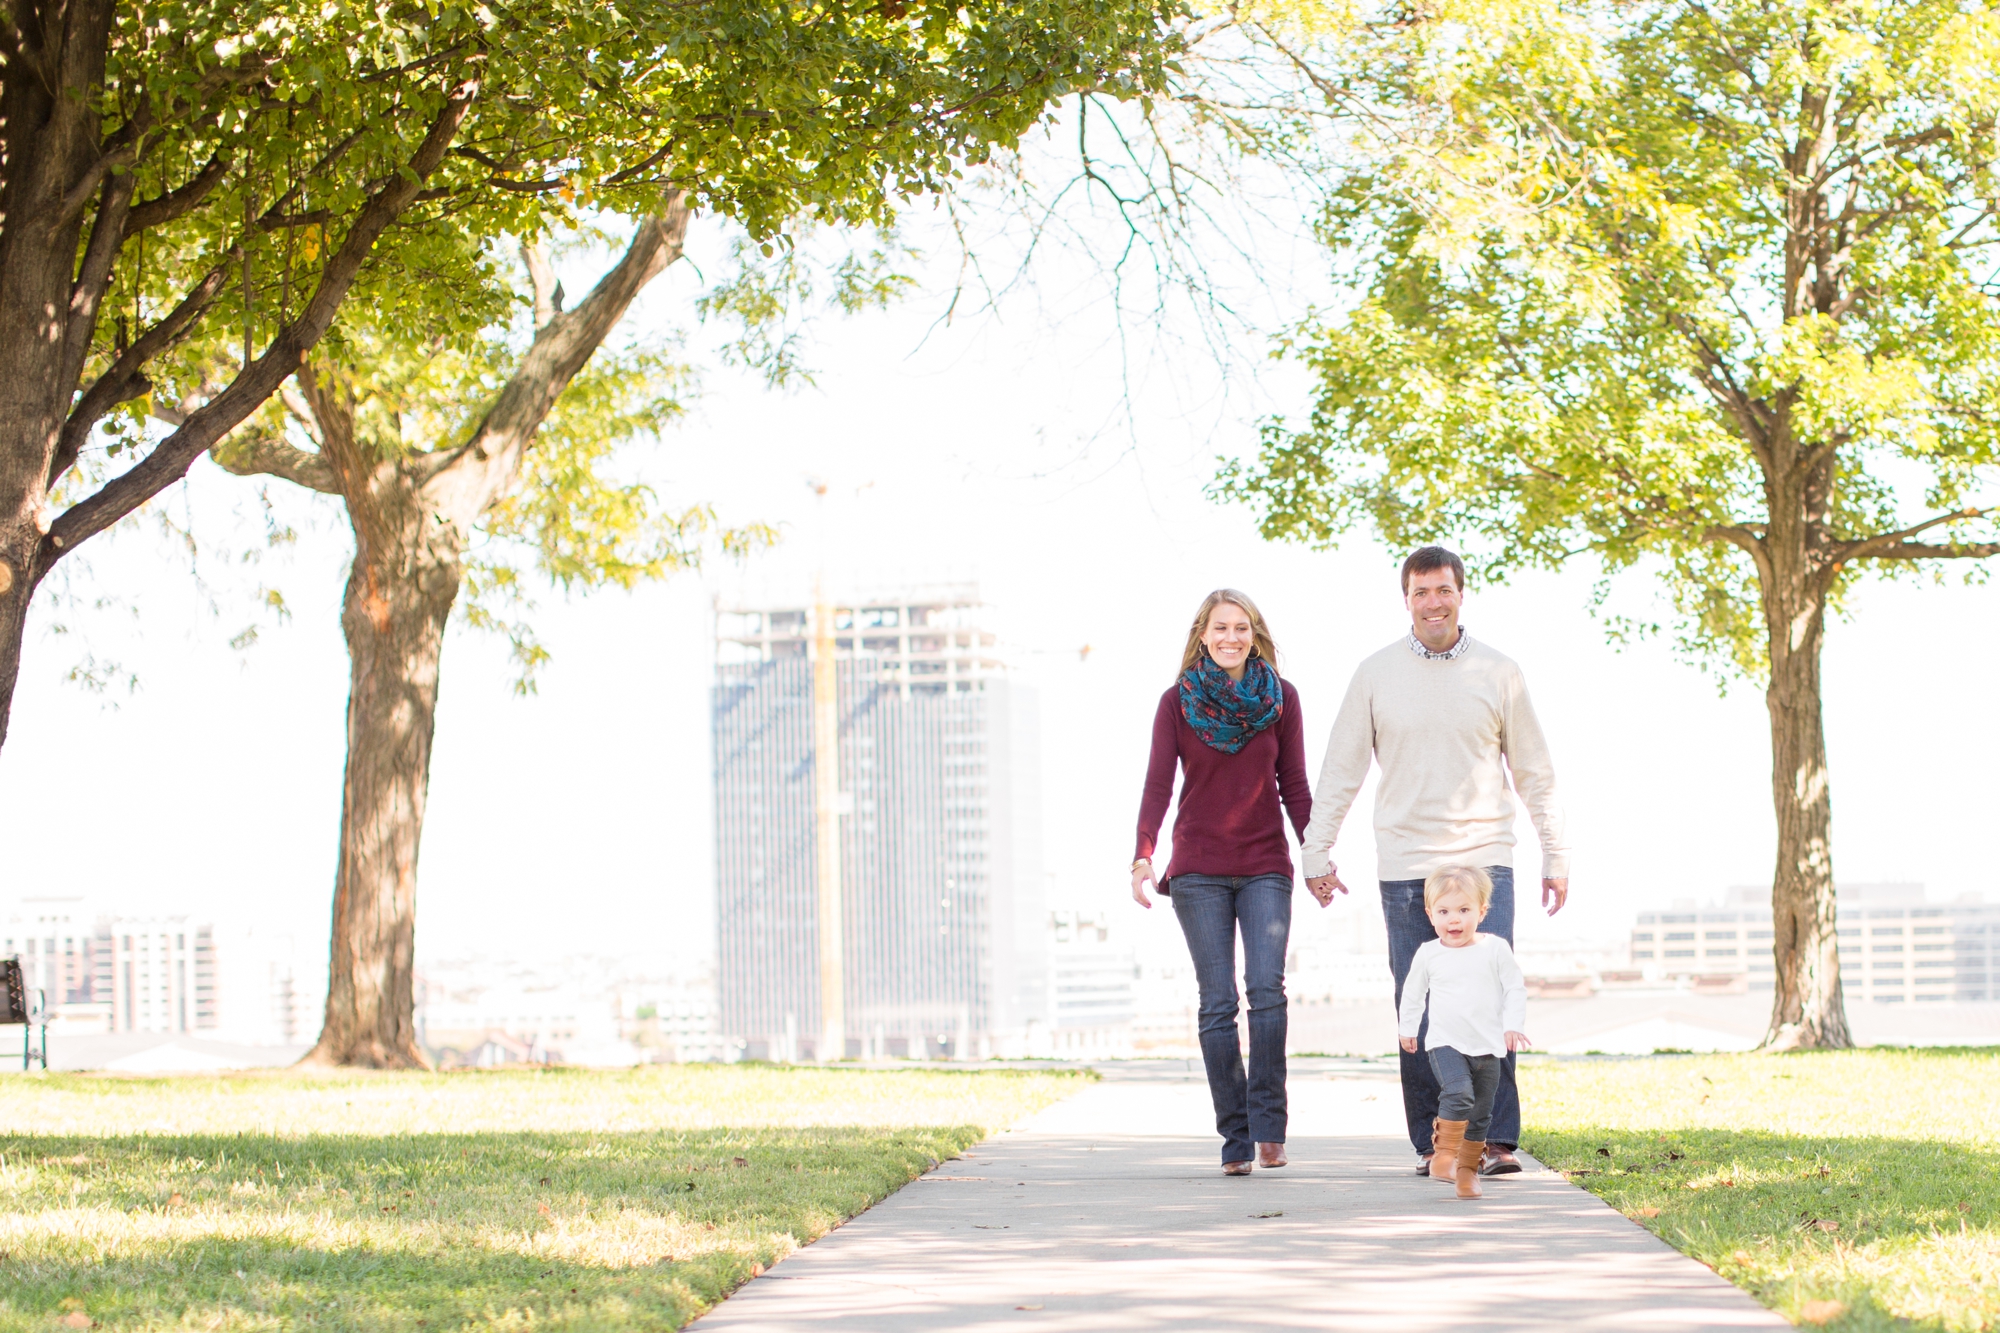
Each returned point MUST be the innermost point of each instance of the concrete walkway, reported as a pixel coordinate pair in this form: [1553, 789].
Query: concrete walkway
[1108, 1211]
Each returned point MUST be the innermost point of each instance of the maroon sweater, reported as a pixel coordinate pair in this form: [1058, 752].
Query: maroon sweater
[1228, 821]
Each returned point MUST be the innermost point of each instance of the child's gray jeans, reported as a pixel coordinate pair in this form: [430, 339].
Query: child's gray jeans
[1466, 1084]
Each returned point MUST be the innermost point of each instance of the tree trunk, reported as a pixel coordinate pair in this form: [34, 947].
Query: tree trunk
[406, 575]
[1796, 570]
[411, 514]
[49, 132]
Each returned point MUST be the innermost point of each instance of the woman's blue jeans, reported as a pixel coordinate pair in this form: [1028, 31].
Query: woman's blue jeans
[1409, 928]
[1211, 909]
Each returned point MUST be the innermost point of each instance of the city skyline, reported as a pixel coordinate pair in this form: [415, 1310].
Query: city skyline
[215, 785]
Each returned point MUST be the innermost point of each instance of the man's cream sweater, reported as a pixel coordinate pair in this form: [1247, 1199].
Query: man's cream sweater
[1440, 729]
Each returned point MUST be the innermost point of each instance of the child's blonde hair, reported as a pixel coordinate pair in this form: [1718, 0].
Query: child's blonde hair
[1475, 883]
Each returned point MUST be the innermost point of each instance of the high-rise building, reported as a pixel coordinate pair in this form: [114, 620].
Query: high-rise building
[103, 972]
[942, 931]
[115, 974]
[1894, 945]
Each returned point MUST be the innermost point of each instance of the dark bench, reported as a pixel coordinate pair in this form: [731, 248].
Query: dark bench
[29, 1008]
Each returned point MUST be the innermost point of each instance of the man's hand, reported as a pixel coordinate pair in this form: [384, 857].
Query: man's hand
[1518, 1041]
[1409, 1045]
[1555, 892]
[1142, 875]
[1324, 886]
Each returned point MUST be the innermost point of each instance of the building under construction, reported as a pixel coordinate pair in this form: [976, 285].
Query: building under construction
[918, 844]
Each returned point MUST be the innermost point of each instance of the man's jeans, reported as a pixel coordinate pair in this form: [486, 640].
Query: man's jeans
[1409, 928]
[1210, 908]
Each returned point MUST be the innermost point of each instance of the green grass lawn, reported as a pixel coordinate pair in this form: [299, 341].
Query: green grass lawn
[549, 1199]
[1854, 1189]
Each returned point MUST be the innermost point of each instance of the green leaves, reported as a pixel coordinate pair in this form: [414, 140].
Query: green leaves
[1642, 282]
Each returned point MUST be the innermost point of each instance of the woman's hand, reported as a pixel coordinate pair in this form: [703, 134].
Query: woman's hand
[1517, 1041]
[1409, 1045]
[1142, 875]
[1323, 887]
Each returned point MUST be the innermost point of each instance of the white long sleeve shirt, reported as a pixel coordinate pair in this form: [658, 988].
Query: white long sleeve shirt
[1477, 996]
[1452, 737]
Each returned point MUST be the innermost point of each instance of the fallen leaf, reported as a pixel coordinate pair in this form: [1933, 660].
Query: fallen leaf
[1820, 1312]
[543, 1209]
[1965, 1208]
[75, 1319]
[740, 1161]
[1742, 1256]
[543, 1181]
[1027, 1307]
[1649, 1212]
[1266, 1214]
[1604, 1152]
[1827, 1224]
[175, 1200]
[756, 1270]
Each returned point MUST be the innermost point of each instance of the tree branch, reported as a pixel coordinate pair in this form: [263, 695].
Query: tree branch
[162, 209]
[122, 382]
[100, 254]
[1931, 551]
[1897, 546]
[559, 351]
[259, 453]
[170, 459]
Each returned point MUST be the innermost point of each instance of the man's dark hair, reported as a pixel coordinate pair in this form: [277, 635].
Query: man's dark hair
[1426, 558]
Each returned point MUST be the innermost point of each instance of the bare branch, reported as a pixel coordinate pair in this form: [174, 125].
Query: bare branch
[1897, 546]
[1932, 551]
[251, 453]
[165, 208]
[559, 351]
[542, 277]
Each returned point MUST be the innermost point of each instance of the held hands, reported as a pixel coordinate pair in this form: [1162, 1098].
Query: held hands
[1142, 875]
[1322, 887]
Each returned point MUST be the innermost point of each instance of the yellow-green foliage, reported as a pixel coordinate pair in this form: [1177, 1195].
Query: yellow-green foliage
[1859, 1189]
[555, 1199]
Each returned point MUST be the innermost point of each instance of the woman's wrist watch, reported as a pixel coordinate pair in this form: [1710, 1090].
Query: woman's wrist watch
[1142, 861]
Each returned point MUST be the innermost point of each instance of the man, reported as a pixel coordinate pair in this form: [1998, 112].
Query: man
[1440, 712]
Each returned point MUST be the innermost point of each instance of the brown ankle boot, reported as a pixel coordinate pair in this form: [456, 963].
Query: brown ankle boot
[1469, 1154]
[1446, 1135]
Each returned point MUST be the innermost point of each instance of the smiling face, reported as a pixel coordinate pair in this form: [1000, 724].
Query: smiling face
[1456, 916]
[1434, 598]
[1229, 637]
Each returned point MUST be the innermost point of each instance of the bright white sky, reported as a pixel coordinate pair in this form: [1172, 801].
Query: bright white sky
[579, 819]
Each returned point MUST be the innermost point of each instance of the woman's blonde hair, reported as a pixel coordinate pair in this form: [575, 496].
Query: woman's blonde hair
[1260, 633]
[1471, 881]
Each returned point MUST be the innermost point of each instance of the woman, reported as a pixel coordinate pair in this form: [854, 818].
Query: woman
[1234, 729]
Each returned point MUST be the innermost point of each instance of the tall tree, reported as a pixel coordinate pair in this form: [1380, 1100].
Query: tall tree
[978, 77]
[1704, 289]
[181, 178]
[418, 483]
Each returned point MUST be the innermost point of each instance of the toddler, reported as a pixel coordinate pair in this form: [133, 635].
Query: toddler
[1478, 1004]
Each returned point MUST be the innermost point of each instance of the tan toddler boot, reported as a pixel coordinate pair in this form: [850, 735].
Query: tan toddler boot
[1446, 1135]
[1469, 1155]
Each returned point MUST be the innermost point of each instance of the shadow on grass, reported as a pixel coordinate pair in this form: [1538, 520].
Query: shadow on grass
[424, 1231]
[1878, 1227]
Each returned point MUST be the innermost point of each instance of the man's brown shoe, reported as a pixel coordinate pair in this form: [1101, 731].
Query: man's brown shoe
[1270, 1156]
[1500, 1162]
[1236, 1168]
[1446, 1136]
